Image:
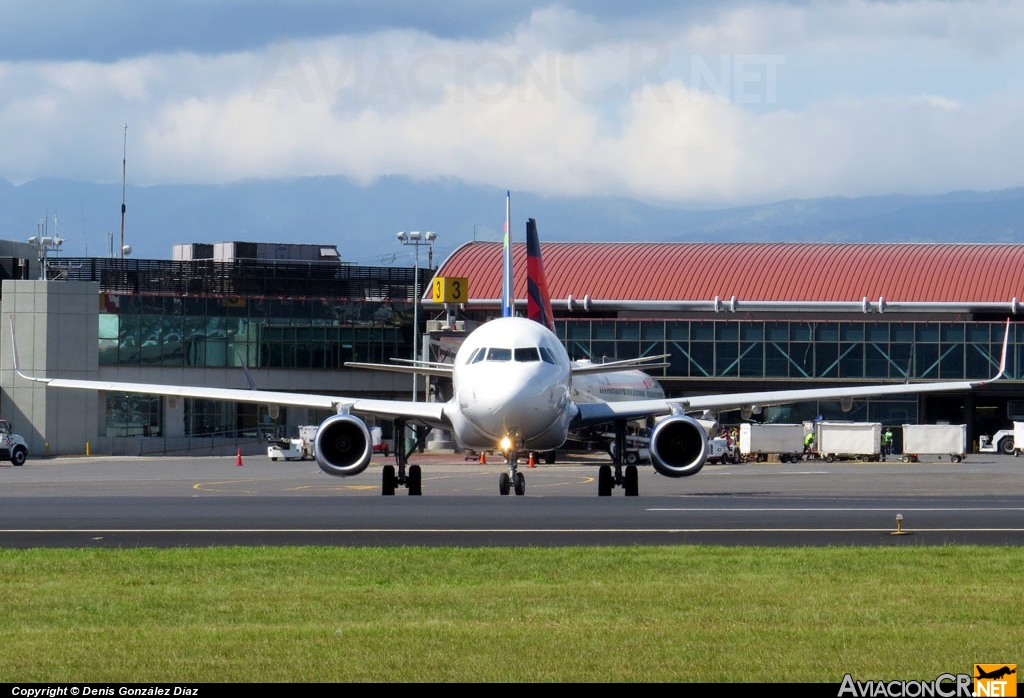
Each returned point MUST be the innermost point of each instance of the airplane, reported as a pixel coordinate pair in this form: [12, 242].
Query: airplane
[512, 390]
[994, 674]
[624, 384]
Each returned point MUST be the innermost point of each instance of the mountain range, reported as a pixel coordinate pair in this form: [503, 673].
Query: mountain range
[362, 221]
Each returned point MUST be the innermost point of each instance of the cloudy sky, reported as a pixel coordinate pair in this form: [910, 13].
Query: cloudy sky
[690, 103]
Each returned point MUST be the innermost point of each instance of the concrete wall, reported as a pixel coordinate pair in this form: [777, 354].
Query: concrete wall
[56, 325]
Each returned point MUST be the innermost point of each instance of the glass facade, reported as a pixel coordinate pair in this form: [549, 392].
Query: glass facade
[322, 334]
[258, 333]
[308, 334]
[774, 349]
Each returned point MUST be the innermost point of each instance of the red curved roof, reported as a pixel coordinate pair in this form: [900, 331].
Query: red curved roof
[754, 271]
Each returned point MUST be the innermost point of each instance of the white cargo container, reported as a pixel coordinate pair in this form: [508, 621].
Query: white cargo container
[848, 440]
[934, 439]
[759, 441]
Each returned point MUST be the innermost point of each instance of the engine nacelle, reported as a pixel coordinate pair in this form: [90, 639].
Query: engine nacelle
[342, 445]
[679, 446]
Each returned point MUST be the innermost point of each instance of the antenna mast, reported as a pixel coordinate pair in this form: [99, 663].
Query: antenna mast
[124, 167]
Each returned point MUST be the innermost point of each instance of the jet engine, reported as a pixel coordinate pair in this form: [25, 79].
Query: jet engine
[679, 446]
[342, 445]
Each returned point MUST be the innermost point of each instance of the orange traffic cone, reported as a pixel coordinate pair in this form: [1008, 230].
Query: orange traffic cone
[483, 457]
[530, 463]
[238, 460]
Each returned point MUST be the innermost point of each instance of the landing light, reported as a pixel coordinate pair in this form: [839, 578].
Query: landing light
[506, 445]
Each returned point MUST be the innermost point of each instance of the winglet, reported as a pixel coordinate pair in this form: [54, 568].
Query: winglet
[1002, 358]
[17, 363]
[538, 300]
[507, 299]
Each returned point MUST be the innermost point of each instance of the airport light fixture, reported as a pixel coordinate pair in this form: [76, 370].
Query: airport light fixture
[416, 238]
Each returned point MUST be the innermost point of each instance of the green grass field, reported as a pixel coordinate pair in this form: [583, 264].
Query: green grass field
[616, 614]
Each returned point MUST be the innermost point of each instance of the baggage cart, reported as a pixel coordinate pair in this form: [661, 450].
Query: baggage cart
[934, 439]
[759, 441]
[848, 440]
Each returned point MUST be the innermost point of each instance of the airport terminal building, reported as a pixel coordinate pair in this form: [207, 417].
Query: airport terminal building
[732, 317]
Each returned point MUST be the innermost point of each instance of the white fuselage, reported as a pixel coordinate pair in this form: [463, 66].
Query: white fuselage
[615, 386]
[511, 378]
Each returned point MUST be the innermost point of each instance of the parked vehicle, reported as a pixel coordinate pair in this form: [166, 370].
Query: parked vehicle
[934, 439]
[1005, 441]
[637, 450]
[12, 446]
[721, 451]
[380, 444]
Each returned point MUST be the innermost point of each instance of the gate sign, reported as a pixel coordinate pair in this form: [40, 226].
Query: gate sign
[451, 289]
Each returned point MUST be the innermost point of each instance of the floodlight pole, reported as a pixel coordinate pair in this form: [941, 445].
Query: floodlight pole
[415, 238]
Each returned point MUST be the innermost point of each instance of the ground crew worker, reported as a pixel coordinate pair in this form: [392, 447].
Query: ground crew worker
[809, 442]
[887, 442]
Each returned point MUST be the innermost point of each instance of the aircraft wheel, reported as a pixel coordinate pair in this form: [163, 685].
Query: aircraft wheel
[631, 482]
[520, 484]
[388, 480]
[604, 481]
[415, 480]
[549, 457]
[504, 484]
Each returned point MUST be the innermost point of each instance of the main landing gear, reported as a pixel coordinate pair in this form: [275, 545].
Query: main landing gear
[413, 480]
[513, 479]
[625, 477]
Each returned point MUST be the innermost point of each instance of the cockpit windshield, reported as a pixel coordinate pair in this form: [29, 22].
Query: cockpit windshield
[527, 354]
[520, 354]
[499, 354]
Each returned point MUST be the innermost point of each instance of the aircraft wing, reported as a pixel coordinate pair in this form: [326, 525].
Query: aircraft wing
[426, 412]
[644, 362]
[423, 368]
[600, 412]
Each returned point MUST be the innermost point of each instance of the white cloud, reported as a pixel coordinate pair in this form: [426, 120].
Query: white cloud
[757, 102]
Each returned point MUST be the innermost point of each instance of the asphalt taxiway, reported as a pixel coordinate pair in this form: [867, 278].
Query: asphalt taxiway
[186, 501]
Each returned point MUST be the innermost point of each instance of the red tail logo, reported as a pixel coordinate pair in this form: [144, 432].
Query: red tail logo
[538, 300]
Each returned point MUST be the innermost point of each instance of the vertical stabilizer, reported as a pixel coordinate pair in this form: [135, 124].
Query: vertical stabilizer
[507, 299]
[538, 300]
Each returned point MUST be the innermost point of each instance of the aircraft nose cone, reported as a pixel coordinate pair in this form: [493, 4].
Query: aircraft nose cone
[511, 407]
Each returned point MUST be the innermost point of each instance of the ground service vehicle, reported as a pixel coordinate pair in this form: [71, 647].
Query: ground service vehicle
[637, 449]
[1004, 441]
[759, 441]
[721, 451]
[294, 449]
[12, 446]
[380, 445]
[935, 439]
[848, 440]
